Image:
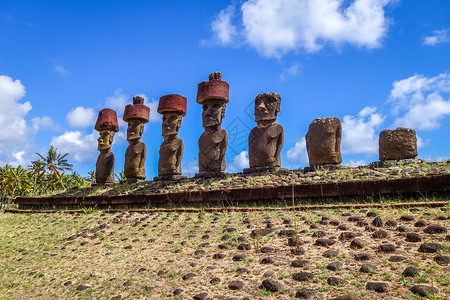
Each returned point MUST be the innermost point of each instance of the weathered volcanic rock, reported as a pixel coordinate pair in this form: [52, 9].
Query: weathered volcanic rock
[430, 247]
[400, 143]
[424, 290]
[367, 268]
[303, 276]
[330, 253]
[397, 258]
[379, 287]
[236, 285]
[325, 242]
[432, 229]
[335, 266]
[305, 293]
[300, 263]
[335, 281]
[272, 285]
[413, 237]
[442, 260]
[380, 234]
[347, 235]
[411, 272]
[323, 141]
[357, 244]
[362, 256]
[386, 248]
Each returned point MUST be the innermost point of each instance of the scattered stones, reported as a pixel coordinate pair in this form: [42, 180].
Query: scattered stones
[420, 223]
[386, 248]
[325, 242]
[303, 276]
[67, 283]
[201, 296]
[402, 229]
[295, 241]
[362, 256]
[377, 222]
[424, 290]
[367, 268]
[380, 234]
[244, 247]
[391, 223]
[442, 260]
[411, 272]
[215, 280]
[267, 249]
[298, 251]
[413, 237]
[379, 287]
[236, 285]
[319, 234]
[305, 293]
[188, 276]
[357, 244]
[430, 247]
[346, 236]
[343, 227]
[272, 285]
[335, 281]
[433, 229]
[177, 292]
[330, 253]
[300, 263]
[397, 258]
[287, 232]
[82, 287]
[239, 257]
[407, 218]
[335, 266]
[267, 260]
[218, 256]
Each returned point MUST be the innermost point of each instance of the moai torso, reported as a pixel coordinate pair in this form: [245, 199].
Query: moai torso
[134, 161]
[104, 172]
[212, 146]
[170, 154]
[264, 146]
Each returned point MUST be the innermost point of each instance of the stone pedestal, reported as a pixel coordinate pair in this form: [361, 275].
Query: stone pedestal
[323, 141]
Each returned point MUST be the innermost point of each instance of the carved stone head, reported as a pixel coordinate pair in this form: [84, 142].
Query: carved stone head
[105, 140]
[171, 123]
[267, 106]
[213, 112]
[135, 130]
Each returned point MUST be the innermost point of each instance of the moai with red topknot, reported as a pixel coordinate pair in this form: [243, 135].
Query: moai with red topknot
[212, 144]
[136, 115]
[173, 108]
[265, 141]
[107, 126]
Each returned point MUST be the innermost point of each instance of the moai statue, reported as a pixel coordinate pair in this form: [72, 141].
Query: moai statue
[212, 144]
[266, 139]
[323, 142]
[397, 144]
[136, 115]
[106, 125]
[173, 108]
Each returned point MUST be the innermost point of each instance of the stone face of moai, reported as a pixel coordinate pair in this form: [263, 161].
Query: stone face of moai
[400, 143]
[107, 125]
[323, 141]
[136, 115]
[212, 144]
[173, 108]
[265, 141]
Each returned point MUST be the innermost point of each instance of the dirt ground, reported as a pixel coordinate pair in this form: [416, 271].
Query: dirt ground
[353, 254]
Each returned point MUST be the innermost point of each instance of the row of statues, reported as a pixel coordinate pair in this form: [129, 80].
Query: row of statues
[265, 141]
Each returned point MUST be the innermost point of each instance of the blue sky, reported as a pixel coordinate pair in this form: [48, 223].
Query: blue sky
[373, 64]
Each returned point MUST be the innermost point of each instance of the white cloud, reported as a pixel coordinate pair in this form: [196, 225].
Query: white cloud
[356, 163]
[419, 101]
[189, 169]
[438, 37]
[117, 101]
[14, 134]
[153, 104]
[240, 162]
[274, 28]
[81, 117]
[224, 31]
[44, 123]
[81, 148]
[61, 70]
[359, 134]
[298, 155]
[290, 71]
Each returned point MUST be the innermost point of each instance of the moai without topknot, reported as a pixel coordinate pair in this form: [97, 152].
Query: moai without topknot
[265, 141]
[173, 108]
[107, 126]
[323, 142]
[136, 115]
[398, 144]
[212, 144]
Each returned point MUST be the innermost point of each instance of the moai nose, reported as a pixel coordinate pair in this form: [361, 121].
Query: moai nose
[261, 107]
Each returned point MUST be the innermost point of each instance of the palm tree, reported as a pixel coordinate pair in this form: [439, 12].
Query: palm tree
[55, 164]
[37, 168]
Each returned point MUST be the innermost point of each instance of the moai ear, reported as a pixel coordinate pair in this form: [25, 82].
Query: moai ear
[224, 106]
